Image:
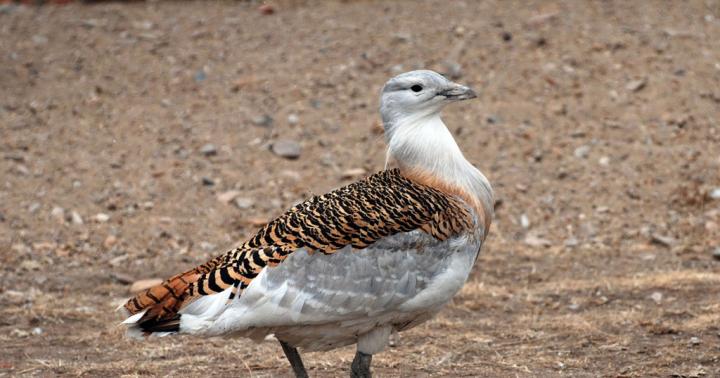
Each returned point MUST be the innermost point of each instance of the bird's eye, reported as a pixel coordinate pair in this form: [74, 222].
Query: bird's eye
[416, 88]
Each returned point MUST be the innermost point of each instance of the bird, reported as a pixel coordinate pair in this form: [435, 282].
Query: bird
[380, 255]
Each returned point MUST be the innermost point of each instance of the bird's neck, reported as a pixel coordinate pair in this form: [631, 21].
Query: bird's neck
[426, 152]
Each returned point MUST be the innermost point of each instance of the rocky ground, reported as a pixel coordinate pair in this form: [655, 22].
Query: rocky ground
[139, 139]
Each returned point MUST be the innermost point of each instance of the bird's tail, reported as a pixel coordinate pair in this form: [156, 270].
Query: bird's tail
[156, 310]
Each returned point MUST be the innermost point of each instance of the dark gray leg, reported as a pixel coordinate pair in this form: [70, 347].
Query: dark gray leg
[360, 367]
[295, 361]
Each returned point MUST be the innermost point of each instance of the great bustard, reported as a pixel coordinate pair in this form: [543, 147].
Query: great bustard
[383, 254]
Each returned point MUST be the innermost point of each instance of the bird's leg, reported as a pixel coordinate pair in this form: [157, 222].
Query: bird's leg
[360, 367]
[295, 361]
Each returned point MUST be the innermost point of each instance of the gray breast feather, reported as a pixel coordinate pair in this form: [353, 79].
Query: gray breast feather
[367, 282]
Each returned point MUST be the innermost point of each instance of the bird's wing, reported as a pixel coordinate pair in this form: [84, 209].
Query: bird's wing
[357, 216]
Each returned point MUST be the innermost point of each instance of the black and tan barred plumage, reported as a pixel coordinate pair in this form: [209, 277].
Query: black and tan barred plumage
[357, 215]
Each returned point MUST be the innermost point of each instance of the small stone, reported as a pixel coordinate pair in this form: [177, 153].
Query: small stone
[524, 221]
[571, 242]
[19, 333]
[58, 213]
[39, 40]
[715, 194]
[200, 75]
[266, 9]
[656, 297]
[102, 217]
[34, 207]
[506, 36]
[37, 331]
[288, 149]
[227, 197]
[263, 120]
[244, 202]
[122, 278]
[144, 284]
[207, 246]
[352, 173]
[663, 240]
[716, 253]
[207, 181]
[695, 340]
[636, 85]
[402, 37]
[535, 241]
[30, 265]
[110, 241]
[209, 150]
[574, 307]
[604, 161]
[75, 218]
[582, 152]
[453, 70]
[293, 119]
[256, 221]
[147, 205]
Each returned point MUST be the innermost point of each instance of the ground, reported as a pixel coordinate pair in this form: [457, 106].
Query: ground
[597, 124]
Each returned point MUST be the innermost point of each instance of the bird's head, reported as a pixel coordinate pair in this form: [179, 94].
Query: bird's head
[417, 94]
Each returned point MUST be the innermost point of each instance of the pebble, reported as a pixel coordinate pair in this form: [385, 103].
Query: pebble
[263, 120]
[574, 307]
[207, 181]
[19, 333]
[656, 297]
[58, 213]
[30, 265]
[293, 119]
[636, 85]
[582, 152]
[571, 242]
[144, 284]
[604, 161]
[200, 75]
[244, 202]
[453, 70]
[110, 241]
[209, 150]
[34, 207]
[122, 278]
[288, 149]
[664, 240]
[102, 217]
[535, 241]
[715, 194]
[524, 221]
[39, 40]
[716, 253]
[207, 246]
[694, 340]
[37, 331]
[227, 197]
[352, 173]
[266, 9]
[75, 218]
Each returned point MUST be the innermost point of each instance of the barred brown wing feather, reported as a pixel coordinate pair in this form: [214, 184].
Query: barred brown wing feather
[356, 215]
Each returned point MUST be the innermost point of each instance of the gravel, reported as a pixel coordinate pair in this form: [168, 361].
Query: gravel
[288, 149]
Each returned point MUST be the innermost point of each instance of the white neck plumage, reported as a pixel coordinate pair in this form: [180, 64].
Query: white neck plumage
[424, 149]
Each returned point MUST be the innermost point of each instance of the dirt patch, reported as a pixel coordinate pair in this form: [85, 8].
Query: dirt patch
[597, 125]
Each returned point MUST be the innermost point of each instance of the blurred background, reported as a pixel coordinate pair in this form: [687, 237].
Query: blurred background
[138, 139]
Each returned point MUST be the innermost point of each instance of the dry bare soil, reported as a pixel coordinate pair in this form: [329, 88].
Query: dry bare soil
[597, 125]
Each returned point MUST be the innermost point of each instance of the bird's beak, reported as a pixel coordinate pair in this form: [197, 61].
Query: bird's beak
[458, 92]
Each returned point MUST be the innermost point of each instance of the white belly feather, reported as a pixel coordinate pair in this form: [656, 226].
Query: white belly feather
[320, 302]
